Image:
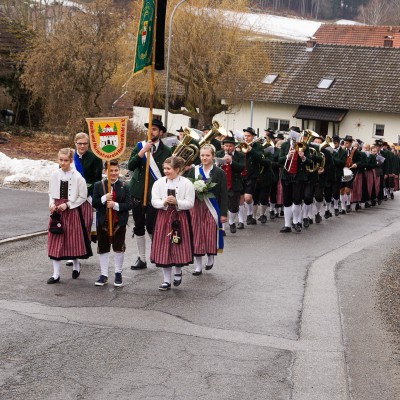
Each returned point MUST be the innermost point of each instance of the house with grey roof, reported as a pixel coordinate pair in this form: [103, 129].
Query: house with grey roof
[329, 88]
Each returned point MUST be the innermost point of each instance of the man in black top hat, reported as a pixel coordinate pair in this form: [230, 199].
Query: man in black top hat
[233, 167]
[144, 216]
[253, 154]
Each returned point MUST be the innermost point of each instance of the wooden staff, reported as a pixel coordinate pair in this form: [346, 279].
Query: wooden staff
[149, 132]
[110, 221]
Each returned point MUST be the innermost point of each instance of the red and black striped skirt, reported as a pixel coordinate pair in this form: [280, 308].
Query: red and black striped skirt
[204, 229]
[164, 253]
[75, 241]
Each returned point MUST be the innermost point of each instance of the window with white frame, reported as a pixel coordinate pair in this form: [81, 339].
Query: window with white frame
[379, 130]
[278, 124]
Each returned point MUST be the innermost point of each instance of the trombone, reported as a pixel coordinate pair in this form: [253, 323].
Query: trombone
[297, 146]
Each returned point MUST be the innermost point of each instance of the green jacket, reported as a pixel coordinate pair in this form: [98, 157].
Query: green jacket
[253, 160]
[339, 161]
[92, 169]
[237, 169]
[138, 166]
[302, 175]
[220, 190]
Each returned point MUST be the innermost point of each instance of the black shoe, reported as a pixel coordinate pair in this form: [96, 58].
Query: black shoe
[392, 196]
[177, 282]
[232, 228]
[297, 227]
[336, 212]
[367, 205]
[164, 286]
[306, 223]
[118, 279]
[282, 214]
[327, 214]
[240, 225]
[69, 263]
[286, 229]
[310, 221]
[385, 198]
[318, 218]
[51, 280]
[373, 203]
[379, 202]
[75, 274]
[208, 267]
[358, 207]
[197, 273]
[103, 280]
[272, 214]
[251, 220]
[139, 264]
[263, 219]
[348, 208]
[343, 212]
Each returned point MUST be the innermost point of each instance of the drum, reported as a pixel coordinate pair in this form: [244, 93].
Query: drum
[347, 175]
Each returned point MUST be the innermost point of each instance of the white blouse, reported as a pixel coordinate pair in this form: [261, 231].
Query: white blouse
[184, 192]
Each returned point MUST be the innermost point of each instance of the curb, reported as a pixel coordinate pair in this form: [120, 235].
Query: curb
[22, 237]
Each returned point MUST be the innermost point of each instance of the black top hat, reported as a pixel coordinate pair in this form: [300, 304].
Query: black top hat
[180, 130]
[158, 123]
[206, 128]
[250, 130]
[229, 139]
[295, 128]
[348, 138]
[336, 139]
[280, 136]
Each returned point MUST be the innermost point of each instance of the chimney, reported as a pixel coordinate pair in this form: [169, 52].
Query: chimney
[311, 43]
[388, 41]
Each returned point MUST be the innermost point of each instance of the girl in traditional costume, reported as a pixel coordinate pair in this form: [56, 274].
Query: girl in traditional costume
[173, 196]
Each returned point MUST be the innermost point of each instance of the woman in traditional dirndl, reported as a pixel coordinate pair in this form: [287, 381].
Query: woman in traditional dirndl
[173, 196]
[210, 209]
[68, 197]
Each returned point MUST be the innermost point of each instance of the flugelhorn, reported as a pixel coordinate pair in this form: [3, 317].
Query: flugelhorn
[244, 146]
[217, 130]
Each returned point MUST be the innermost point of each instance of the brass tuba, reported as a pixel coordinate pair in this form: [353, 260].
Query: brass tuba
[187, 149]
[217, 130]
[307, 137]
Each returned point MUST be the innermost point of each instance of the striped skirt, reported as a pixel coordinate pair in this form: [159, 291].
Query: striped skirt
[357, 188]
[164, 253]
[370, 177]
[74, 242]
[205, 229]
[279, 195]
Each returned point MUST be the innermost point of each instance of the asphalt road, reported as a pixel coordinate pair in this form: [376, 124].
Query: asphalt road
[278, 317]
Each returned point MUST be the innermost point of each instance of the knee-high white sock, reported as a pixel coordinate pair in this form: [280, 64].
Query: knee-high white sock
[77, 265]
[104, 258]
[306, 210]
[318, 205]
[210, 259]
[118, 261]
[249, 208]
[296, 213]
[242, 214]
[348, 202]
[56, 268]
[255, 209]
[272, 206]
[335, 203]
[328, 206]
[263, 209]
[232, 217]
[288, 216]
[167, 274]
[343, 200]
[141, 245]
[198, 263]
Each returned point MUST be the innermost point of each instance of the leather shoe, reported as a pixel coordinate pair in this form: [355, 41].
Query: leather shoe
[232, 228]
[177, 282]
[197, 273]
[297, 227]
[263, 219]
[318, 218]
[306, 223]
[336, 212]
[240, 225]
[139, 264]
[251, 220]
[51, 280]
[286, 229]
[208, 267]
[75, 274]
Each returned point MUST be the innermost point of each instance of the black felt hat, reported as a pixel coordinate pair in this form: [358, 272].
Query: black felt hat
[229, 139]
[158, 123]
[336, 139]
[250, 130]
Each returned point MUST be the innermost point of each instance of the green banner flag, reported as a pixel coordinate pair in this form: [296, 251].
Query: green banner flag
[145, 37]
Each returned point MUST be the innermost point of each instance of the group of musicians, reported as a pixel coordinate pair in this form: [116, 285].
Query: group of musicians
[298, 176]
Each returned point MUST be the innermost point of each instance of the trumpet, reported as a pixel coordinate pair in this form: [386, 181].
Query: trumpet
[297, 146]
[244, 146]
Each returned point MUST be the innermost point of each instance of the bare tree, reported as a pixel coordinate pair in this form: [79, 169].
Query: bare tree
[375, 12]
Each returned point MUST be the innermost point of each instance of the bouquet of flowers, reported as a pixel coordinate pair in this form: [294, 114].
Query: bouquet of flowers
[203, 188]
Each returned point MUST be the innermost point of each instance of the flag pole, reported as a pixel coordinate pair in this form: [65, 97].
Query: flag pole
[110, 221]
[149, 133]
